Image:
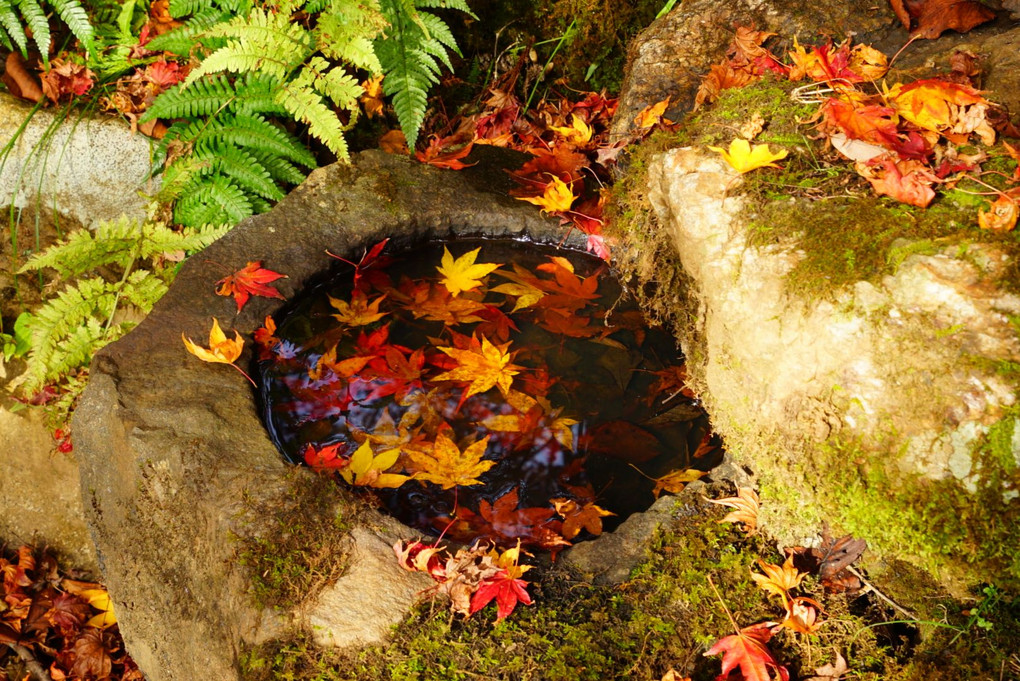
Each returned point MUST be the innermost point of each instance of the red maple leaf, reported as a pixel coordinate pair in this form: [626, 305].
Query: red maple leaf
[749, 651]
[506, 589]
[250, 280]
[438, 152]
[325, 458]
[368, 272]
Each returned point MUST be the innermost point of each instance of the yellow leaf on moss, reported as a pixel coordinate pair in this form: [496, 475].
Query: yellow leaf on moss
[744, 158]
[462, 274]
[221, 349]
[778, 579]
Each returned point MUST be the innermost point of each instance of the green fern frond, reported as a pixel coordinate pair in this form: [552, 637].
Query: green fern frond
[142, 289]
[182, 8]
[213, 200]
[13, 30]
[345, 34]
[280, 169]
[206, 97]
[184, 39]
[306, 105]
[36, 22]
[262, 41]
[256, 133]
[241, 167]
[408, 53]
[447, 4]
[73, 14]
[113, 243]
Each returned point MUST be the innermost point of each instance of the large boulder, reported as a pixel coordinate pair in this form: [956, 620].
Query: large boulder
[882, 410]
[177, 468]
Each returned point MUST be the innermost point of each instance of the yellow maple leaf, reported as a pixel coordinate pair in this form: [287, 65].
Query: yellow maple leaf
[482, 366]
[743, 158]
[448, 466]
[463, 274]
[100, 600]
[527, 295]
[674, 482]
[746, 504]
[578, 132]
[932, 104]
[778, 579]
[221, 350]
[867, 62]
[366, 469]
[358, 312]
[509, 560]
[557, 197]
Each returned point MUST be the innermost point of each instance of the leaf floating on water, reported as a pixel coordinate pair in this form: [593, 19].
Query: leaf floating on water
[675, 482]
[448, 466]
[463, 274]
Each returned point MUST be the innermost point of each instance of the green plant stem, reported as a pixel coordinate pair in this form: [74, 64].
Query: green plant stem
[563, 38]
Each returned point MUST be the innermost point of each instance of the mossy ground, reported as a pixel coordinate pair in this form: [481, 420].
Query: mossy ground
[305, 546]
[665, 617]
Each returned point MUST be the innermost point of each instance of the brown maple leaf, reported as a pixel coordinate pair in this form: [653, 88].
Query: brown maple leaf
[250, 280]
[935, 17]
[746, 505]
[64, 79]
[91, 657]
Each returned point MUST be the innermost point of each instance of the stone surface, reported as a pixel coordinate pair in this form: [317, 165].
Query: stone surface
[39, 499]
[173, 452]
[670, 57]
[90, 169]
[881, 364]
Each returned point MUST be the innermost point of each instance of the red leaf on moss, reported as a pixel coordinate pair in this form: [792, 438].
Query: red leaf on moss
[748, 651]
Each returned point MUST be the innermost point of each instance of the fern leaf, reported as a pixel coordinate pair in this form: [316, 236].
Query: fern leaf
[12, 28]
[205, 97]
[182, 8]
[447, 4]
[241, 167]
[255, 133]
[262, 41]
[113, 243]
[256, 94]
[183, 39]
[345, 34]
[35, 21]
[214, 201]
[280, 169]
[73, 14]
[306, 105]
[142, 289]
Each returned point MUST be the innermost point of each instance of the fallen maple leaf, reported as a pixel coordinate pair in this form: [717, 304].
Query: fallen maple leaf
[778, 580]
[100, 600]
[746, 504]
[221, 349]
[437, 153]
[367, 470]
[448, 466]
[935, 17]
[371, 99]
[749, 651]
[557, 197]
[577, 517]
[802, 615]
[743, 158]
[66, 79]
[463, 274]
[358, 312]
[250, 280]
[482, 366]
[506, 586]
[1000, 217]
[394, 142]
[832, 671]
[91, 658]
[908, 181]
[650, 116]
[326, 457]
[577, 133]
[674, 482]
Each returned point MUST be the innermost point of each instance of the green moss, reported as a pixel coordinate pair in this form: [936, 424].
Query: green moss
[302, 547]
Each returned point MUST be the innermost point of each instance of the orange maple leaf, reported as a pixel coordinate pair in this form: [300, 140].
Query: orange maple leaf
[576, 517]
[748, 650]
[438, 153]
[933, 104]
[802, 615]
[482, 366]
[907, 181]
[650, 116]
[1001, 216]
[448, 466]
[221, 349]
[674, 482]
[358, 312]
[778, 580]
[870, 123]
[371, 99]
[250, 280]
[746, 504]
